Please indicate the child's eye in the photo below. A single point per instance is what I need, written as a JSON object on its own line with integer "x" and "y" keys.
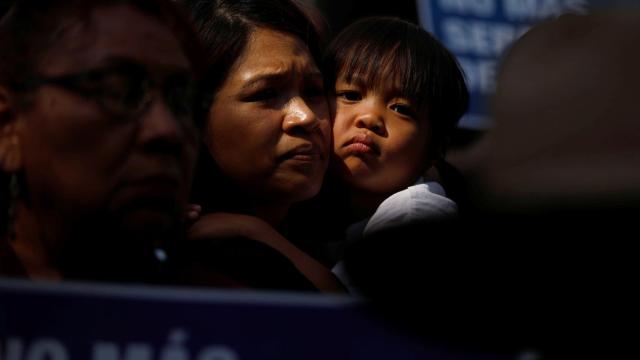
{"x": 349, "y": 95}
{"x": 402, "y": 109}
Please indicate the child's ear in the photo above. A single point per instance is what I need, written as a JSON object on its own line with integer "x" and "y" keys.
{"x": 10, "y": 131}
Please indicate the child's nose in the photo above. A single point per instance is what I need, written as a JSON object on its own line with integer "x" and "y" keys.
{"x": 371, "y": 121}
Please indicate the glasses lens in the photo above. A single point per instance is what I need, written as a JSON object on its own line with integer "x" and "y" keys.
{"x": 123, "y": 91}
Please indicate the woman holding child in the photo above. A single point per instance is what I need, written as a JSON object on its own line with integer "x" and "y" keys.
{"x": 399, "y": 94}
{"x": 267, "y": 137}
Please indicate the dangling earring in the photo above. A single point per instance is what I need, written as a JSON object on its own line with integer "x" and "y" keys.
{"x": 14, "y": 192}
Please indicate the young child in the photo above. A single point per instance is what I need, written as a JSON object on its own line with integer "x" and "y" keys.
{"x": 398, "y": 96}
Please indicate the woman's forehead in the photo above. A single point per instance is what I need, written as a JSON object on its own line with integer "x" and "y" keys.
{"x": 118, "y": 31}
{"x": 271, "y": 53}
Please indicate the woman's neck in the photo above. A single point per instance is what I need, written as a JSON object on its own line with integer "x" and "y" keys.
{"x": 274, "y": 213}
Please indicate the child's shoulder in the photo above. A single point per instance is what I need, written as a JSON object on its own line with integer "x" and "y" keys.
{"x": 423, "y": 201}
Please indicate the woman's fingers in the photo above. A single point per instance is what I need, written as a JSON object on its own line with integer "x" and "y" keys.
{"x": 192, "y": 213}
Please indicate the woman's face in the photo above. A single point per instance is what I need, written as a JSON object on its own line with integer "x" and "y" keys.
{"x": 269, "y": 127}
{"x": 83, "y": 162}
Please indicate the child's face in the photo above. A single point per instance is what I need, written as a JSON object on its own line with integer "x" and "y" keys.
{"x": 380, "y": 139}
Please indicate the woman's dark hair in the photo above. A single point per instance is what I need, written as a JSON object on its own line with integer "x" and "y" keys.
{"x": 382, "y": 50}
{"x": 225, "y": 27}
{"x": 31, "y": 27}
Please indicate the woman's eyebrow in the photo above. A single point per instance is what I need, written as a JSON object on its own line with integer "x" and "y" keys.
{"x": 276, "y": 76}
{"x": 118, "y": 60}
{"x": 252, "y": 79}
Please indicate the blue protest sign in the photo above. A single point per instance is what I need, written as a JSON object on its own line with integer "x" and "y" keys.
{"x": 478, "y": 32}
{"x": 105, "y": 322}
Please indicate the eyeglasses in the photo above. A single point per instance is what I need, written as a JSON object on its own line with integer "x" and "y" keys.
{"x": 125, "y": 90}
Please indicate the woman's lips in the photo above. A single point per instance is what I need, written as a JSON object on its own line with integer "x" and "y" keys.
{"x": 361, "y": 144}
{"x": 304, "y": 152}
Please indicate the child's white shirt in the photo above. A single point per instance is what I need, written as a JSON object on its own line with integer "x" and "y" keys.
{"x": 421, "y": 201}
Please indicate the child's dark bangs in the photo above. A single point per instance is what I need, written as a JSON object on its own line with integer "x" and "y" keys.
{"x": 379, "y": 66}
{"x": 400, "y": 65}
{"x": 358, "y": 67}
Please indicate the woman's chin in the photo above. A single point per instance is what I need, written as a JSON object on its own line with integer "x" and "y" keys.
{"x": 294, "y": 190}
{"x": 148, "y": 222}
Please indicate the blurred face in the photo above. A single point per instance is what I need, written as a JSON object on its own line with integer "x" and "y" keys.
{"x": 380, "y": 138}
{"x": 269, "y": 126}
{"x": 95, "y": 145}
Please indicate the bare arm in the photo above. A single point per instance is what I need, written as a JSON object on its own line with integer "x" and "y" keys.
{"x": 224, "y": 225}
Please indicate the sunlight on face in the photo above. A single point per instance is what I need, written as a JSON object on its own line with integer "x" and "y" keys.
{"x": 269, "y": 126}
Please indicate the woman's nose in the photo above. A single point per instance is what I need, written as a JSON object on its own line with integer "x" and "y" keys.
{"x": 298, "y": 115}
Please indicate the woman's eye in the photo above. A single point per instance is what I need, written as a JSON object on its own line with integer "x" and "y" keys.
{"x": 349, "y": 95}
{"x": 262, "y": 95}
{"x": 402, "y": 109}
{"x": 121, "y": 89}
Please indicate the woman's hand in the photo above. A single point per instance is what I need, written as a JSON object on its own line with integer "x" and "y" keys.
{"x": 224, "y": 225}
{"x": 192, "y": 214}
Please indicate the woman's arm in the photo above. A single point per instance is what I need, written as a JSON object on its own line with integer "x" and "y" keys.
{"x": 227, "y": 225}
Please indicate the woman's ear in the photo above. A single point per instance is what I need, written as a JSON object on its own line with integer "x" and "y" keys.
{"x": 10, "y": 129}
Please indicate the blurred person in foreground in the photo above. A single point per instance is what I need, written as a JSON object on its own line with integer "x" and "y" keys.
{"x": 98, "y": 136}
